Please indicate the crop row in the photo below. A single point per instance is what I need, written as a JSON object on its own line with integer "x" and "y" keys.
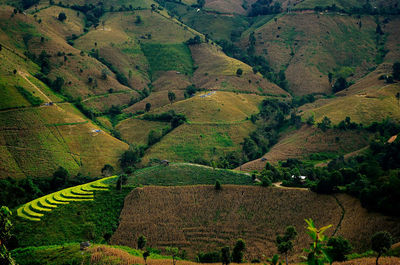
{"x": 37, "y": 208}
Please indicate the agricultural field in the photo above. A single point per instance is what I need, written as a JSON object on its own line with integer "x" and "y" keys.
{"x": 136, "y": 131}
{"x": 311, "y": 143}
{"x": 203, "y": 221}
{"x": 190, "y": 142}
{"x": 36, "y": 209}
{"x": 179, "y": 174}
{"x": 308, "y": 46}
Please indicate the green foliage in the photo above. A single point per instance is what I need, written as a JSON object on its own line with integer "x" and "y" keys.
{"x": 325, "y": 124}
{"x": 218, "y": 185}
{"x": 167, "y": 57}
{"x": 131, "y": 157}
{"x": 74, "y": 222}
{"x": 340, "y": 84}
{"x": 62, "y": 17}
{"x": 237, "y": 253}
{"x": 107, "y": 170}
{"x": 317, "y": 252}
{"x": 285, "y": 243}
{"x": 381, "y": 242}
{"x": 174, "y": 252}
{"x": 181, "y": 174}
{"x": 33, "y": 100}
{"x": 154, "y": 137}
{"x": 141, "y": 242}
{"x": 171, "y": 96}
{"x": 147, "y": 107}
{"x": 239, "y": 72}
{"x": 339, "y": 248}
{"x": 396, "y": 71}
{"x": 5, "y": 234}
{"x": 225, "y": 255}
{"x": 209, "y": 257}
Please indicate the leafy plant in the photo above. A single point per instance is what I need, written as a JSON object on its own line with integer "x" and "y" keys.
{"x": 317, "y": 253}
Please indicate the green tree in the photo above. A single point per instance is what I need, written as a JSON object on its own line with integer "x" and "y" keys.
{"x": 118, "y": 185}
{"x": 60, "y": 178}
{"x": 239, "y": 72}
{"x": 317, "y": 254}
{"x": 5, "y": 234}
{"x": 381, "y": 242}
{"x": 147, "y": 107}
{"x": 398, "y": 98}
{"x": 131, "y": 157}
{"x": 325, "y": 124}
{"x": 171, "y": 96}
{"x": 396, "y": 71}
{"x": 153, "y": 137}
{"x": 225, "y": 255}
{"x": 237, "y": 253}
{"x": 284, "y": 243}
{"x": 201, "y": 3}
{"x": 339, "y": 248}
{"x": 62, "y": 16}
{"x": 138, "y": 20}
{"x": 107, "y": 170}
{"x": 141, "y": 242}
{"x": 218, "y": 185}
{"x": 146, "y": 254}
{"x": 58, "y": 84}
{"x": 173, "y": 252}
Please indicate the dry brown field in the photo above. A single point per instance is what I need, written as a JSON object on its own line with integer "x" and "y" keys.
{"x": 199, "y": 218}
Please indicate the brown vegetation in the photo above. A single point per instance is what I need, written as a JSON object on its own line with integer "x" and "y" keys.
{"x": 199, "y": 218}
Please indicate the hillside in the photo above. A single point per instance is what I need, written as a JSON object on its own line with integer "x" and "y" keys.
{"x": 197, "y": 218}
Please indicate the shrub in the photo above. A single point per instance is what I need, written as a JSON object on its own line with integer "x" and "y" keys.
{"x": 62, "y": 16}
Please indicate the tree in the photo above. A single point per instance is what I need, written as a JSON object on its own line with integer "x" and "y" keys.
{"x": 104, "y": 74}
{"x": 138, "y": 20}
{"x": 330, "y": 78}
{"x": 107, "y": 170}
{"x": 131, "y": 157}
{"x": 284, "y": 243}
{"x": 380, "y": 243}
{"x": 153, "y": 137}
{"x": 173, "y": 252}
{"x": 60, "y": 178}
{"x": 396, "y": 71}
{"x": 218, "y": 185}
{"x": 171, "y": 97}
{"x": 317, "y": 254}
{"x": 339, "y": 248}
{"x": 5, "y": 234}
{"x": 62, "y": 16}
{"x": 58, "y": 84}
{"x": 237, "y": 253}
{"x": 398, "y": 98}
{"x": 145, "y": 255}
{"x": 201, "y": 3}
{"x": 225, "y": 255}
{"x": 325, "y": 124}
{"x": 190, "y": 90}
{"x": 340, "y": 84}
{"x": 239, "y": 72}
{"x": 141, "y": 242}
{"x": 118, "y": 186}
{"x": 147, "y": 107}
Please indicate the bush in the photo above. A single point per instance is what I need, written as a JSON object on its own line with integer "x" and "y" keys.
{"x": 62, "y": 16}
{"x": 34, "y": 101}
{"x": 340, "y": 247}
{"x": 209, "y": 257}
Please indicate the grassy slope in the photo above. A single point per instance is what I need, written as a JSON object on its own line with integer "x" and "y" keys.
{"x": 136, "y": 131}
{"x": 217, "y": 71}
{"x": 75, "y": 222}
{"x": 308, "y": 140}
{"x": 368, "y": 100}
{"x": 217, "y": 123}
{"x": 177, "y": 174}
{"x": 308, "y": 46}
{"x": 203, "y": 221}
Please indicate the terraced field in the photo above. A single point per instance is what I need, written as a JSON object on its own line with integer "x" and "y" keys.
{"x": 37, "y": 208}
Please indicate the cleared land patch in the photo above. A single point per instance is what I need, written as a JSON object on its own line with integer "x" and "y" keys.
{"x": 136, "y": 131}
{"x": 199, "y": 218}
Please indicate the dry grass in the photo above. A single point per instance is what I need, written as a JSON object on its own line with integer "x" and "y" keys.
{"x": 371, "y": 261}
{"x": 170, "y": 80}
{"x": 310, "y": 140}
{"x": 136, "y": 131}
{"x": 104, "y": 102}
{"x": 156, "y": 99}
{"x": 220, "y": 106}
{"x": 309, "y": 46}
{"x": 231, "y": 6}
{"x": 198, "y": 218}
{"x": 217, "y": 71}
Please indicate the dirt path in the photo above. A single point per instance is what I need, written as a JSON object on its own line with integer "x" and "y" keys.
{"x": 279, "y": 185}
{"x": 24, "y": 76}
